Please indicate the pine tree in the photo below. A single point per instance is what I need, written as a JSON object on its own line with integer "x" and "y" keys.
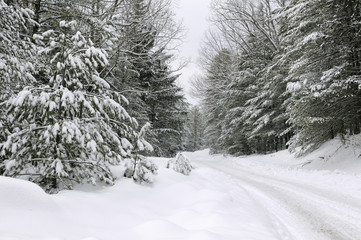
{"x": 72, "y": 129}
{"x": 214, "y": 100}
{"x": 166, "y": 108}
{"x": 145, "y": 75}
{"x": 194, "y": 131}
{"x": 131, "y": 62}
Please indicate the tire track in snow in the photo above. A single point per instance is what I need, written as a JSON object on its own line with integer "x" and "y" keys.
{"x": 319, "y": 214}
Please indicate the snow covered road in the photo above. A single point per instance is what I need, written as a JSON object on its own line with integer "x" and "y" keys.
{"x": 312, "y": 205}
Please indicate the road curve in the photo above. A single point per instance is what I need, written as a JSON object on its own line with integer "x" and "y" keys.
{"x": 303, "y": 210}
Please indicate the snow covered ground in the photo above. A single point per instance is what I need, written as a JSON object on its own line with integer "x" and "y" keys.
{"x": 225, "y": 198}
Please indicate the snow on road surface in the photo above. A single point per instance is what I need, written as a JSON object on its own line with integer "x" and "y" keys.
{"x": 270, "y": 197}
{"x": 305, "y": 204}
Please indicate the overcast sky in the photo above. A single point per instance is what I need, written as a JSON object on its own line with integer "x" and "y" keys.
{"x": 195, "y": 14}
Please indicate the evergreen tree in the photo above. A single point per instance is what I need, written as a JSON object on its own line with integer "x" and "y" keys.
{"x": 166, "y": 108}
{"x": 194, "y": 130}
{"x": 214, "y": 100}
{"x": 72, "y": 129}
{"x": 140, "y": 69}
{"x": 264, "y": 113}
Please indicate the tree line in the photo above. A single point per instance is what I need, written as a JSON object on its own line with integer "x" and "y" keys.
{"x": 281, "y": 74}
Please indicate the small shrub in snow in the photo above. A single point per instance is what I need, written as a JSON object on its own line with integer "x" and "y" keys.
{"x": 180, "y": 164}
{"x": 140, "y": 168}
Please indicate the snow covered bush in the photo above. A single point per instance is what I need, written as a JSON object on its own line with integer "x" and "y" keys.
{"x": 139, "y": 167}
{"x": 73, "y": 128}
{"x": 141, "y": 170}
{"x": 180, "y": 164}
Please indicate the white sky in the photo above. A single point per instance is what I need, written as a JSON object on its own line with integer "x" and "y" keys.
{"x": 195, "y": 14}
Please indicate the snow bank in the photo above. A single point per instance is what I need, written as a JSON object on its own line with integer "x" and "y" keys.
{"x": 336, "y": 155}
{"x": 195, "y": 207}
{"x": 26, "y": 208}
{"x": 23, "y": 194}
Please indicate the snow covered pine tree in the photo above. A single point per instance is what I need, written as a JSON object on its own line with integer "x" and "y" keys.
{"x": 73, "y": 128}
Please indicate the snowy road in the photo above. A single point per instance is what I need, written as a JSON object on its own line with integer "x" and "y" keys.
{"x": 299, "y": 206}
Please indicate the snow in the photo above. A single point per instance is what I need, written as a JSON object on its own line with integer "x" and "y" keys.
{"x": 314, "y": 197}
{"x": 312, "y": 37}
{"x": 258, "y": 197}
{"x": 180, "y": 164}
{"x": 24, "y": 206}
{"x": 55, "y": 129}
{"x": 100, "y": 81}
{"x": 175, "y": 207}
{"x": 91, "y": 145}
{"x": 293, "y": 86}
{"x": 2, "y": 64}
{"x": 21, "y": 97}
{"x": 67, "y": 97}
{"x": 10, "y": 164}
{"x": 59, "y": 168}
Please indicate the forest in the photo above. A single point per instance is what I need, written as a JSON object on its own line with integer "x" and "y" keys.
{"x": 280, "y": 74}
{"x": 87, "y": 84}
